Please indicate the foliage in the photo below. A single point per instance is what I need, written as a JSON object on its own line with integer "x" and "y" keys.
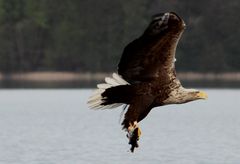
{"x": 89, "y": 35}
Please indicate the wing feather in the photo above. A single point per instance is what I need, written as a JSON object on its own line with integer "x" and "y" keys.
{"x": 151, "y": 57}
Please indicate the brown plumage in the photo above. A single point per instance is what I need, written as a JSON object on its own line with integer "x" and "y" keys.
{"x": 147, "y": 76}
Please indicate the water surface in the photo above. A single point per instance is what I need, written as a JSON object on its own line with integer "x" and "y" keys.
{"x": 56, "y": 127}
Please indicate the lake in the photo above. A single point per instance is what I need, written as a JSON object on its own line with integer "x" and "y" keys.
{"x": 56, "y": 127}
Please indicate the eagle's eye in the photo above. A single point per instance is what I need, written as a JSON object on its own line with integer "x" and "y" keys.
{"x": 158, "y": 24}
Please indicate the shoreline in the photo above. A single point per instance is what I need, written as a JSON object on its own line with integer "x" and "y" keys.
{"x": 75, "y": 76}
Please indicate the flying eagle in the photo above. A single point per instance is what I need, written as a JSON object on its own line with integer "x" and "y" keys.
{"x": 146, "y": 75}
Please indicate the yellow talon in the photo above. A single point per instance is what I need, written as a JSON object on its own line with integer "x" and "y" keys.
{"x": 134, "y": 133}
{"x": 139, "y": 132}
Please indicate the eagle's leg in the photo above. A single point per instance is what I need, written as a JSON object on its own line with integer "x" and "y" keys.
{"x": 133, "y": 135}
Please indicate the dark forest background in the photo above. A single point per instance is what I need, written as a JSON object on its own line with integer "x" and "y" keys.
{"x": 89, "y": 35}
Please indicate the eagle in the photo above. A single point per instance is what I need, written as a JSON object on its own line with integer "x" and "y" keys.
{"x": 146, "y": 76}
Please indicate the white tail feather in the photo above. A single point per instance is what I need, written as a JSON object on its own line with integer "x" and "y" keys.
{"x": 97, "y": 92}
{"x": 95, "y": 104}
{"x": 96, "y": 95}
{"x": 104, "y": 86}
{"x": 112, "y": 106}
{"x": 111, "y": 81}
{"x": 96, "y": 99}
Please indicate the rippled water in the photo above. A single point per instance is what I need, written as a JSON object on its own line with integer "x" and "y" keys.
{"x": 56, "y": 127}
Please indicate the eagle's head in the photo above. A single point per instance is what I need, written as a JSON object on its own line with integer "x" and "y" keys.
{"x": 164, "y": 22}
{"x": 182, "y": 95}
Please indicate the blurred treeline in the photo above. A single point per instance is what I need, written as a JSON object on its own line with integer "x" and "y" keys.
{"x": 89, "y": 35}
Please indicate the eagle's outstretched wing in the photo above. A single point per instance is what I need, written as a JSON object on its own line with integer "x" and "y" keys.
{"x": 151, "y": 57}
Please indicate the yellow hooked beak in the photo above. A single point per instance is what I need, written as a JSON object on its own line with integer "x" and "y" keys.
{"x": 202, "y": 95}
